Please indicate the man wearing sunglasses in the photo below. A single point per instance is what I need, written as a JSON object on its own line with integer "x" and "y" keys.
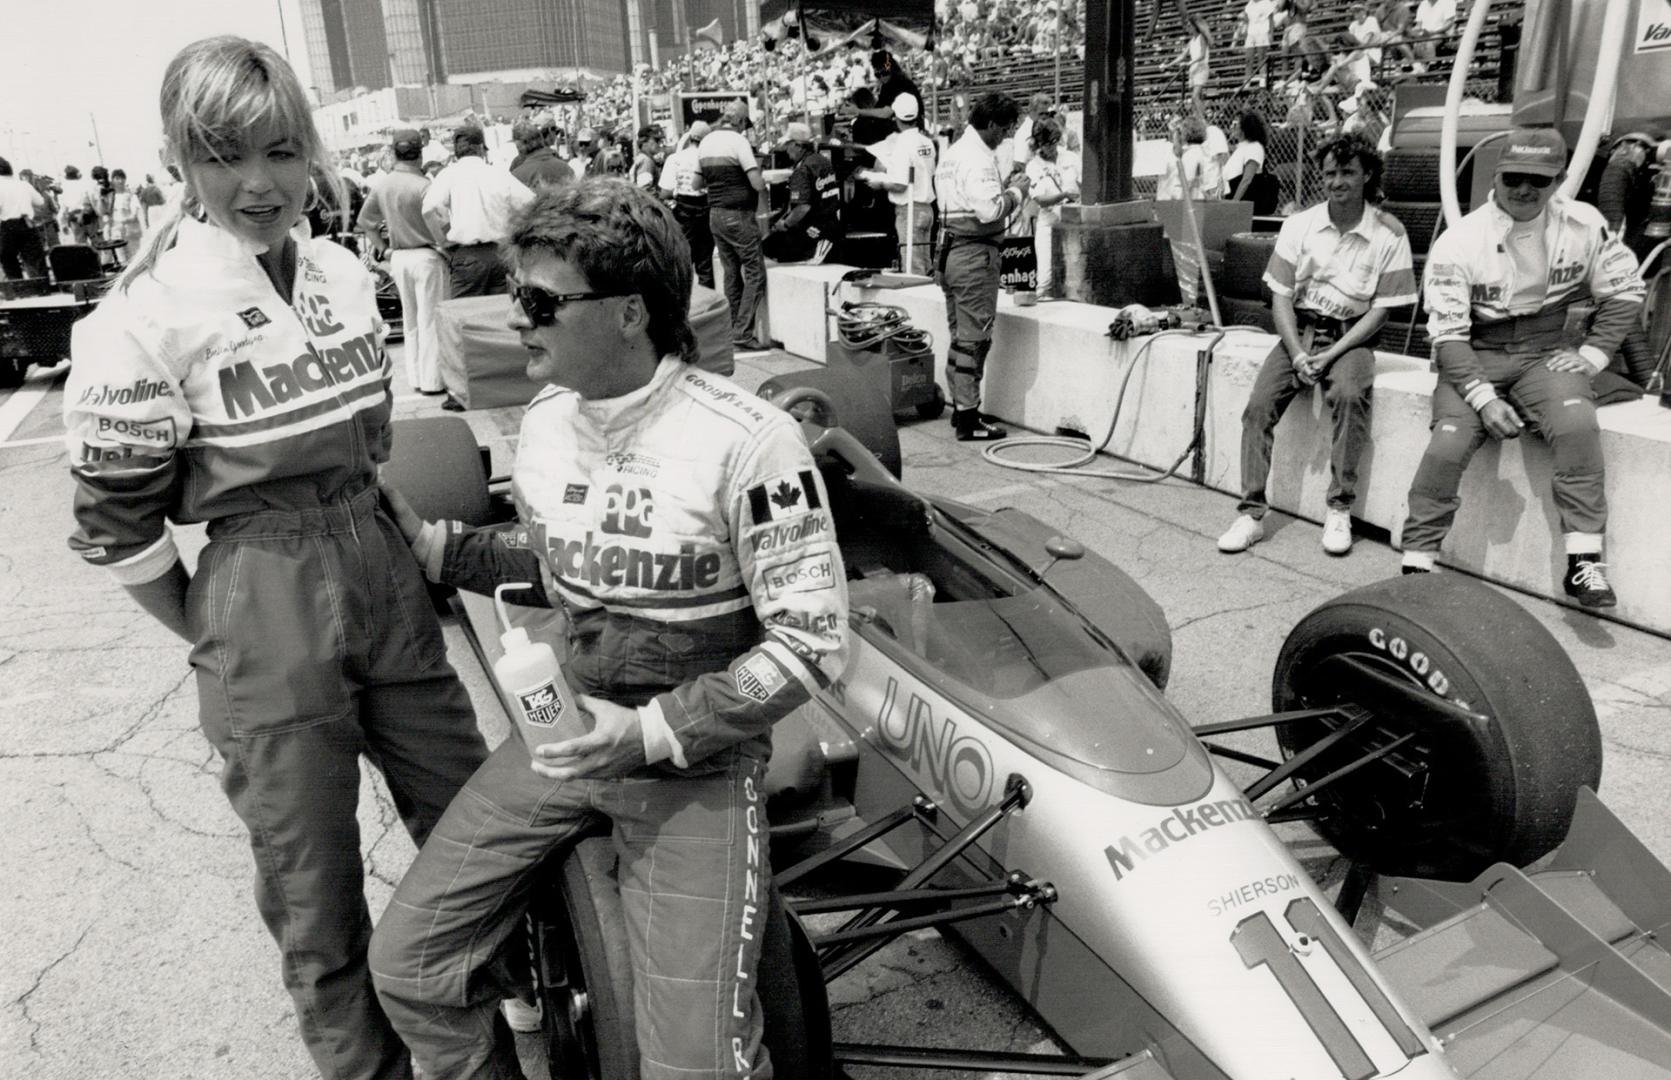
{"x": 1527, "y": 299}
{"x": 681, "y": 526}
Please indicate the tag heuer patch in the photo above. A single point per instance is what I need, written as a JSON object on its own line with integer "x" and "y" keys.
{"x": 574, "y": 494}
{"x": 758, "y": 678}
{"x": 254, "y": 317}
{"x": 783, "y": 496}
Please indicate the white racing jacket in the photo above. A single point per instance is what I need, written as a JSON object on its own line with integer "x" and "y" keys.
{"x": 1470, "y": 283}
{"x": 685, "y": 531}
{"x": 200, "y": 393}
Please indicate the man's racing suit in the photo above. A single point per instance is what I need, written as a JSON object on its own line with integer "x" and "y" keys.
{"x": 1489, "y": 340}
{"x": 201, "y": 395}
{"x": 685, "y": 533}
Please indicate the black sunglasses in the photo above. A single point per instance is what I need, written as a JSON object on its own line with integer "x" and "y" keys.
{"x": 541, "y": 305}
{"x": 1517, "y": 179}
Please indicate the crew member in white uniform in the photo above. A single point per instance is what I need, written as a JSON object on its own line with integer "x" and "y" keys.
{"x": 906, "y": 159}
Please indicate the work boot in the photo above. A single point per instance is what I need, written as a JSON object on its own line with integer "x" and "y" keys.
{"x": 1586, "y": 583}
{"x": 970, "y": 426}
{"x": 1242, "y": 534}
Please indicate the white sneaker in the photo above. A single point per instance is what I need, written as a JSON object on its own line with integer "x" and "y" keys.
{"x": 1242, "y": 534}
{"x": 1337, "y": 532}
{"x": 520, "y": 1015}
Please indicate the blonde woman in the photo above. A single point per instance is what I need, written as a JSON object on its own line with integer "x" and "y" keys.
{"x": 235, "y": 375}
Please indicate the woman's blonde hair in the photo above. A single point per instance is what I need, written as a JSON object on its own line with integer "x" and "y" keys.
{"x": 214, "y": 93}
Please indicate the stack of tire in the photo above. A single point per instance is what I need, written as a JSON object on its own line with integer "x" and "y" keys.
{"x": 1243, "y": 297}
{"x": 1411, "y": 184}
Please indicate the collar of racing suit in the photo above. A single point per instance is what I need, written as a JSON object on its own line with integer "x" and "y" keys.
{"x": 613, "y": 414}
{"x": 205, "y": 239}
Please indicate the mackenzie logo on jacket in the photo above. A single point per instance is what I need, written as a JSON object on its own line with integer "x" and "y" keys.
{"x": 246, "y": 389}
{"x": 620, "y": 565}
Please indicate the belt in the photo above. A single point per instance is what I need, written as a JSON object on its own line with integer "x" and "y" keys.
{"x": 1516, "y": 329}
{"x": 1310, "y": 319}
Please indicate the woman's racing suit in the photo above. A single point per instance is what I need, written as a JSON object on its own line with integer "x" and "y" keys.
{"x": 201, "y": 395}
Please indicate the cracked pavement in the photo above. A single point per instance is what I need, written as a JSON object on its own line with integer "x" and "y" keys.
{"x": 132, "y": 949}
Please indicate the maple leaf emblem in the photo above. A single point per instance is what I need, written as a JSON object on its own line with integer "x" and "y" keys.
{"x": 786, "y": 495}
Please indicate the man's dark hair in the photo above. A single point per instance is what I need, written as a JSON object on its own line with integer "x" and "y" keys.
{"x": 114, "y": 173}
{"x": 623, "y": 241}
{"x": 469, "y": 138}
{"x": 72, "y": 173}
{"x": 408, "y": 151}
{"x": 5, "y": 167}
{"x": 1253, "y": 127}
{"x": 1344, "y": 148}
{"x": 882, "y": 63}
{"x": 994, "y": 108}
{"x": 651, "y": 131}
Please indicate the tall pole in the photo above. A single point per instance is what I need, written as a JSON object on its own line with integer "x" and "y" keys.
{"x": 1109, "y": 49}
{"x": 284, "y": 34}
{"x": 98, "y": 148}
{"x": 1056, "y": 102}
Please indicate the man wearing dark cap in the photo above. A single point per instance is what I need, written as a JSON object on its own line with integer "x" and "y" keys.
{"x": 808, "y": 229}
{"x": 537, "y": 166}
{"x": 1527, "y": 299}
{"x": 468, "y": 208}
{"x": 393, "y": 215}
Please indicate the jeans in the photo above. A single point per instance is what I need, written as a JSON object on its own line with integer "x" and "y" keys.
{"x": 1346, "y": 390}
{"x": 737, "y": 241}
{"x": 694, "y": 222}
{"x": 969, "y": 278}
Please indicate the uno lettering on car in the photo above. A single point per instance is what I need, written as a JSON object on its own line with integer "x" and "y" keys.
{"x": 955, "y": 766}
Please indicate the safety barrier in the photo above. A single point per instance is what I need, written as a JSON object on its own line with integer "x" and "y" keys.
{"x": 1053, "y": 366}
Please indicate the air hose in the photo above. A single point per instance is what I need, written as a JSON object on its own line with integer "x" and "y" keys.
{"x": 1084, "y": 451}
{"x": 862, "y": 326}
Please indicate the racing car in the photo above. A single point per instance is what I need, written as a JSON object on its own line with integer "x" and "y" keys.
{"x": 1002, "y": 741}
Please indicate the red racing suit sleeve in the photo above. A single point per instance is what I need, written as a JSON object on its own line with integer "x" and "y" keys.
{"x": 797, "y": 585}
{"x": 126, "y": 421}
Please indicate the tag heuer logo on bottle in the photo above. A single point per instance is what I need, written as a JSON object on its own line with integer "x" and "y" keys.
{"x": 541, "y": 705}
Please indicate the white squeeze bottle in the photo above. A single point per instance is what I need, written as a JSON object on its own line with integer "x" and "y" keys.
{"x": 544, "y": 705}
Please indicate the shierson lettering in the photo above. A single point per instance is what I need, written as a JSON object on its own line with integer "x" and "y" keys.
{"x": 246, "y": 390}
{"x": 1250, "y": 891}
{"x": 1126, "y": 853}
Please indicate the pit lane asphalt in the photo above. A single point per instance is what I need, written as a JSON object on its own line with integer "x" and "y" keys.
{"x": 129, "y": 945}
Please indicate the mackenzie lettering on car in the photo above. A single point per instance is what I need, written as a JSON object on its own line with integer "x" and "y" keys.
{"x": 1126, "y": 854}
{"x": 247, "y": 390}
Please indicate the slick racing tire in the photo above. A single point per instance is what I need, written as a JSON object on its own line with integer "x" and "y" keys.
{"x": 437, "y": 465}
{"x": 1503, "y": 732}
{"x": 586, "y": 979}
{"x": 1246, "y": 254}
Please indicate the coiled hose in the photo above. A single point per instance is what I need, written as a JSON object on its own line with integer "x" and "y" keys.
{"x": 866, "y": 325}
{"x": 1084, "y": 451}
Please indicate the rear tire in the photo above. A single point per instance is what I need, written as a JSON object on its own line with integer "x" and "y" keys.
{"x": 11, "y": 372}
{"x": 586, "y": 979}
{"x": 1418, "y": 219}
{"x": 1245, "y": 257}
{"x": 1499, "y": 789}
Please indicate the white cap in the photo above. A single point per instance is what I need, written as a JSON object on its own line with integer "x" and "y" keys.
{"x": 906, "y": 107}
